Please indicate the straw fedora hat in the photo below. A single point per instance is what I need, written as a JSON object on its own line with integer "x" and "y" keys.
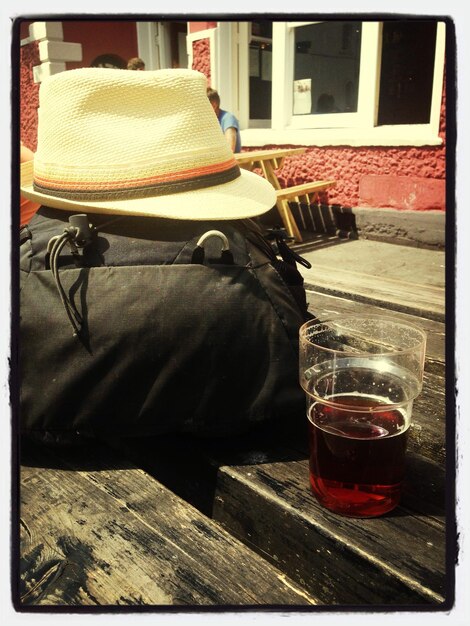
{"x": 137, "y": 143}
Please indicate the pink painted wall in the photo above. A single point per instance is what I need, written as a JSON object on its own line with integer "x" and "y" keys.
{"x": 29, "y": 95}
{"x": 195, "y": 27}
{"x": 202, "y": 57}
{"x": 97, "y": 37}
{"x": 373, "y": 176}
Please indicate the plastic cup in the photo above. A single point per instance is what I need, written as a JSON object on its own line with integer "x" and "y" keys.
{"x": 360, "y": 376}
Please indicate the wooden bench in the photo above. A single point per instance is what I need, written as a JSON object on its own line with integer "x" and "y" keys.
{"x": 271, "y": 160}
{"x": 307, "y": 193}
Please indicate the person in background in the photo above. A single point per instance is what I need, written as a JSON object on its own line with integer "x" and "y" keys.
{"x": 27, "y": 207}
{"x": 228, "y": 122}
{"x": 135, "y": 64}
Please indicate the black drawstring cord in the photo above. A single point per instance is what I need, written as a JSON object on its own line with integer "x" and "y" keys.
{"x": 55, "y": 247}
{"x": 77, "y": 235}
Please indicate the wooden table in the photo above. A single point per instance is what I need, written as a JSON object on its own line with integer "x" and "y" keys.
{"x": 178, "y": 521}
{"x": 271, "y": 160}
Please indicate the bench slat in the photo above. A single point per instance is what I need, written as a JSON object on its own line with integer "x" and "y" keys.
{"x": 109, "y": 534}
{"x": 289, "y": 193}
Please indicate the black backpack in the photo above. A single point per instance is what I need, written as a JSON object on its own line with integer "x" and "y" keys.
{"x": 136, "y": 326}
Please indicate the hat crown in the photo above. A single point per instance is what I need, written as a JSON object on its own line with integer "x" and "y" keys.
{"x": 114, "y": 126}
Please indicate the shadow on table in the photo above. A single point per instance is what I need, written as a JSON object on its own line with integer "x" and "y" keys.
{"x": 189, "y": 465}
{"x": 85, "y": 456}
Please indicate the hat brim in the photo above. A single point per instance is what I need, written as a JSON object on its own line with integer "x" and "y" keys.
{"x": 247, "y": 196}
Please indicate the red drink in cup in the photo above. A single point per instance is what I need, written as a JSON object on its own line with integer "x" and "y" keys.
{"x": 357, "y": 458}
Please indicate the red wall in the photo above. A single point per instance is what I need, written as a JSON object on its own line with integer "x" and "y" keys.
{"x": 24, "y": 29}
{"x": 202, "y": 49}
{"x": 194, "y": 27}
{"x": 97, "y": 37}
{"x": 373, "y": 176}
{"x": 101, "y": 37}
{"x": 202, "y": 57}
{"x": 29, "y": 98}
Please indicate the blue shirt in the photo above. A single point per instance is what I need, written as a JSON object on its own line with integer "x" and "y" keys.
{"x": 228, "y": 120}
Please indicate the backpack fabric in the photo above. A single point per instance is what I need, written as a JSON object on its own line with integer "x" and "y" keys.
{"x": 141, "y": 331}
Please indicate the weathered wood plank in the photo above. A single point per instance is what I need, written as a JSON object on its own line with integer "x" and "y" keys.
{"x": 102, "y": 535}
{"x": 422, "y": 300}
{"x": 261, "y": 494}
{"x": 398, "y": 559}
{"x": 428, "y": 420}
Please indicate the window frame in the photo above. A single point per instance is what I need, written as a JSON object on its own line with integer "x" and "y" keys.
{"x": 354, "y": 129}
{"x": 369, "y": 73}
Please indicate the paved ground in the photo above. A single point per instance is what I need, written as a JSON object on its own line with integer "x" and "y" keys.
{"x": 387, "y": 260}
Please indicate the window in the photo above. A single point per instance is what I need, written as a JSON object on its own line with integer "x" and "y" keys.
{"x": 407, "y": 67}
{"x": 326, "y": 68}
{"x": 260, "y": 60}
{"x": 340, "y": 81}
